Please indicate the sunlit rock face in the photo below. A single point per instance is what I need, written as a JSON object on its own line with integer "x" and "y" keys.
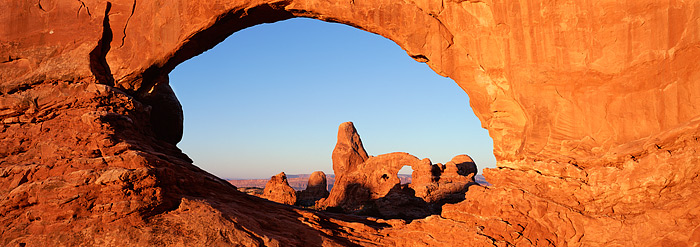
{"x": 371, "y": 186}
{"x": 278, "y": 190}
{"x": 593, "y": 108}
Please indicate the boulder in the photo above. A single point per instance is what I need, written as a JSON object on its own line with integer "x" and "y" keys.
{"x": 316, "y": 189}
{"x": 459, "y": 167}
{"x": 278, "y": 190}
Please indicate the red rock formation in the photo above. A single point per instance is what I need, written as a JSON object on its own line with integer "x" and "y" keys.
{"x": 278, "y": 190}
{"x": 347, "y": 154}
{"x": 449, "y": 181}
{"x": 373, "y": 187}
{"x": 459, "y": 167}
{"x": 369, "y": 180}
{"x": 592, "y": 107}
{"x": 317, "y": 183}
{"x": 316, "y": 189}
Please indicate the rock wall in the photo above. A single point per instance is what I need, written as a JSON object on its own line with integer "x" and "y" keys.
{"x": 593, "y": 108}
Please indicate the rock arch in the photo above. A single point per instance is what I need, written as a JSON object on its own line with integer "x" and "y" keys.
{"x": 364, "y": 184}
{"x": 592, "y": 108}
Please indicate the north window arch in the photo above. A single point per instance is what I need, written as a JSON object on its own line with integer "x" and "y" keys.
{"x": 241, "y": 55}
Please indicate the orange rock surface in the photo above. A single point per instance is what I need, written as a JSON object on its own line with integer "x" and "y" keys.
{"x": 372, "y": 186}
{"x": 592, "y": 106}
{"x": 278, "y": 190}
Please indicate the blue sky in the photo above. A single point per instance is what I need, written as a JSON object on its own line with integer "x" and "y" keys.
{"x": 270, "y": 99}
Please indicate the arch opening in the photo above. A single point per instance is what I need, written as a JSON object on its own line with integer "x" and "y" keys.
{"x": 263, "y": 122}
{"x": 406, "y": 175}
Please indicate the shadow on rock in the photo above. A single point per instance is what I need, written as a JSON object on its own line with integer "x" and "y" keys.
{"x": 370, "y": 185}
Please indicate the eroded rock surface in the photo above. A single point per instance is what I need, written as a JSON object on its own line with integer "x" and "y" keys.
{"x": 592, "y": 107}
{"x": 278, "y": 190}
{"x": 372, "y": 186}
{"x": 448, "y": 182}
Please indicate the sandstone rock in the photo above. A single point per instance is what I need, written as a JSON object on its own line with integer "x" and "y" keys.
{"x": 348, "y": 151}
{"x": 451, "y": 181}
{"x": 297, "y": 181}
{"x": 592, "y": 107}
{"x": 368, "y": 181}
{"x": 401, "y": 203}
{"x": 316, "y": 189}
{"x": 347, "y": 155}
{"x": 373, "y": 188}
{"x": 459, "y": 167}
{"x": 317, "y": 183}
{"x": 278, "y": 190}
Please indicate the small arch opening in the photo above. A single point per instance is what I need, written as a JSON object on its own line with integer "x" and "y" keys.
{"x": 406, "y": 175}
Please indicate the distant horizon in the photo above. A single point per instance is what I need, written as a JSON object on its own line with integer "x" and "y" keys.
{"x": 297, "y": 174}
{"x": 288, "y": 175}
{"x": 270, "y": 98}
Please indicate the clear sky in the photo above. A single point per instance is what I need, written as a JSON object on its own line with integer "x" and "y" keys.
{"x": 270, "y": 99}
